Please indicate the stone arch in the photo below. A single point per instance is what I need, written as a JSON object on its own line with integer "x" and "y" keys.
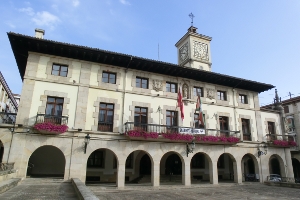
{"x": 250, "y": 167}
{"x": 296, "y": 167}
{"x": 134, "y": 173}
{"x": 102, "y": 165}
{"x": 47, "y": 161}
{"x": 227, "y": 168}
{"x": 276, "y": 165}
{"x": 1, "y": 151}
{"x": 208, "y": 167}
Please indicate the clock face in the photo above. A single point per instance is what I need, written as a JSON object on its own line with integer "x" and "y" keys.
{"x": 183, "y": 52}
{"x": 200, "y": 50}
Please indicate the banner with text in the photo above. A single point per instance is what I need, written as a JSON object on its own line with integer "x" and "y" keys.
{"x": 192, "y": 131}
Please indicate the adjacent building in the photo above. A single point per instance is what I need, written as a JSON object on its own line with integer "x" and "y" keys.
{"x": 124, "y": 121}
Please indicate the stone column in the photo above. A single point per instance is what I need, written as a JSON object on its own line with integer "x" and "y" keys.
{"x": 155, "y": 174}
{"x": 237, "y": 171}
{"x": 289, "y": 165}
{"x": 121, "y": 176}
{"x": 186, "y": 177}
{"x": 213, "y": 172}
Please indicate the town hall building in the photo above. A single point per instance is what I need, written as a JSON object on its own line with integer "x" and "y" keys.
{"x": 107, "y": 117}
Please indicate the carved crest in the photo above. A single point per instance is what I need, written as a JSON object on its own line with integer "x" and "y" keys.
{"x": 157, "y": 85}
{"x": 210, "y": 93}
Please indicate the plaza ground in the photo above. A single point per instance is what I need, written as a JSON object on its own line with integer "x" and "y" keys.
{"x": 202, "y": 191}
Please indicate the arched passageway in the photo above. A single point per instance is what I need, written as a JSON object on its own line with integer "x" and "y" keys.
{"x": 138, "y": 167}
{"x": 274, "y": 166}
{"x": 171, "y": 166}
{"x": 296, "y": 168}
{"x": 250, "y": 169}
{"x": 225, "y": 168}
{"x": 200, "y": 168}
{"x": 1, "y": 151}
{"x": 46, "y": 161}
{"x": 102, "y": 167}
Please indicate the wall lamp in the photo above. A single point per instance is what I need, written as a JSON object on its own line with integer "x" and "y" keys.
{"x": 190, "y": 148}
{"x": 260, "y": 152}
{"x": 86, "y": 142}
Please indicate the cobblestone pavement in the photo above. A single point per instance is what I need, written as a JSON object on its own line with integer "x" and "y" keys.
{"x": 206, "y": 191}
{"x": 41, "y": 188}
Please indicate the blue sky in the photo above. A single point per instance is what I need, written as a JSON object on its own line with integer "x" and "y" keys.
{"x": 252, "y": 39}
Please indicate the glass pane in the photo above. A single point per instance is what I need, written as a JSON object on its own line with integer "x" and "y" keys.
{"x": 105, "y": 77}
{"x": 174, "y": 120}
{"x": 49, "y": 109}
{"x": 102, "y": 116}
{"x": 138, "y": 82}
{"x": 58, "y": 110}
{"x": 56, "y": 67}
{"x": 168, "y": 113}
{"x": 59, "y": 100}
{"x": 110, "y": 116}
{"x": 51, "y": 100}
{"x": 137, "y": 119}
{"x": 168, "y": 121}
{"x": 144, "y": 119}
{"x": 64, "y": 74}
{"x": 64, "y": 69}
{"x": 144, "y": 110}
{"x": 168, "y": 87}
{"x": 110, "y": 106}
{"x": 137, "y": 109}
{"x": 144, "y": 83}
{"x": 102, "y": 105}
{"x": 56, "y": 73}
{"x": 112, "y": 78}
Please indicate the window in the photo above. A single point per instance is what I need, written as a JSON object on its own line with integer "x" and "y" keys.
{"x": 198, "y": 90}
{"x": 222, "y": 95}
{"x": 290, "y": 123}
{"x": 141, "y": 82}
{"x": 106, "y": 117}
{"x": 54, "y": 108}
{"x": 286, "y": 109}
{"x": 243, "y": 99}
{"x": 246, "y": 129}
{"x": 108, "y": 77}
{"x": 197, "y": 122}
{"x": 171, "y": 87}
{"x": 171, "y": 120}
{"x": 140, "y": 118}
{"x": 271, "y": 129}
{"x": 129, "y": 161}
{"x": 96, "y": 159}
{"x": 198, "y": 161}
{"x": 223, "y": 121}
{"x": 59, "y": 70}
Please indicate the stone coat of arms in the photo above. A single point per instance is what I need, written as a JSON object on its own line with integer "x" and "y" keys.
{"x": 157, "y": 85}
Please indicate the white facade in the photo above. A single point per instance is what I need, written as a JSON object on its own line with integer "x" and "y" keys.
{"x": 84, "y": 88}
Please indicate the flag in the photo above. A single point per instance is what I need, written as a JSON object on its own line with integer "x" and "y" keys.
{"x": 199, "y": 108}
{"x": 180, "y": 103}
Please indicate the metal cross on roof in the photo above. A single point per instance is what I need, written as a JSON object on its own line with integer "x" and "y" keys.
{"x": 192, "y": 17}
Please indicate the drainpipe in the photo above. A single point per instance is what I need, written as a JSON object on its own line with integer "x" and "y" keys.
{"x": 124, "y": 92}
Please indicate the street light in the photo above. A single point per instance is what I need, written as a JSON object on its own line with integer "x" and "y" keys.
{"x": 86, "y": 142}
{"x": 190, "y": 148}
{"x": 260, "y": 152}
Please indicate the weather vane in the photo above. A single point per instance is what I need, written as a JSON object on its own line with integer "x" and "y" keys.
{"x": 192, "y": 17}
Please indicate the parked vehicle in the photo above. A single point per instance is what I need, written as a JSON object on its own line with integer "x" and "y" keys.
{"x": 275, "y": 177}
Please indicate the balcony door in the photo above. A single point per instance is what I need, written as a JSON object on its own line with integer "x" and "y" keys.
{"x": 54, "y": 108}
{"x": 140, "y": 118}
{"x": 106, "y": 117}
{"x": 223, "y": 121}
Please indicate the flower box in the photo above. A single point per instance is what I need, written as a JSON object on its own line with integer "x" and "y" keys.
{"x": 50, "y": 128}
{"x": 282, "y": 143}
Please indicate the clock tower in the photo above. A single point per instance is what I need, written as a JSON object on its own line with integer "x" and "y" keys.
{"x": 194, "y": 50}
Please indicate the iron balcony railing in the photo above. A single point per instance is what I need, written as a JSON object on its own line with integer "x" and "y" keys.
{"x": 7, "y": 118}
{"x": 289, "y": 138}
{"x": 55, "y": 119}
{"x": 178, "y": 129}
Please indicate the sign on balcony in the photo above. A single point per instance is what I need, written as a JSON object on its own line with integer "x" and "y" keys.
{"x": 192, "y": 131}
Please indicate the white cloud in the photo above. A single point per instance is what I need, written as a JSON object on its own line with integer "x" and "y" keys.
{"x": 28, "y": 11}
{"x": 124, "y": 2}
{"x": 45, "y": 18}
{"x": 75, "y": 3}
